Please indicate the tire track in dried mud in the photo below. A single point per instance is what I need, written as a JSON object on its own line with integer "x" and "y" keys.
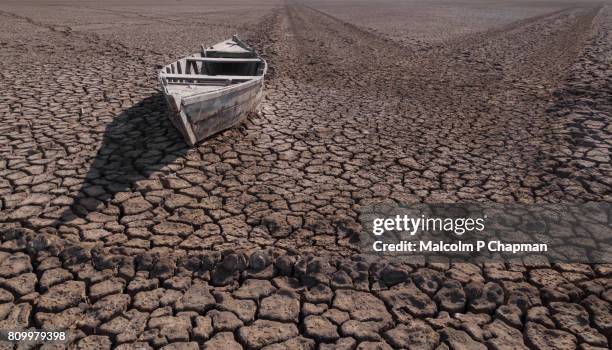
{"x": 581, "y": 113}
{"x": 474, "y": 109}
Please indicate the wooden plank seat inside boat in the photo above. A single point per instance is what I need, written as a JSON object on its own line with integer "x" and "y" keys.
{"x": 188, "y": 89}
{"x": 188, "y": 84}
{"x": 202, "y": 79}
{"x": 215, "y": 66}
{"x": 223, "y": 59}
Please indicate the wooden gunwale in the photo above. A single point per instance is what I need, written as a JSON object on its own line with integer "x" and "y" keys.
{"x": 205, "y": 96}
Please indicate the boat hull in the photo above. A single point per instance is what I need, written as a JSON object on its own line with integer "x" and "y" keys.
{"x": 214, "y": 115}
{"x": 200, "y": 117}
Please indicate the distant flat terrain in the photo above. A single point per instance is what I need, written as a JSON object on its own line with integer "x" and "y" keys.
{"x": 426, "y": 21}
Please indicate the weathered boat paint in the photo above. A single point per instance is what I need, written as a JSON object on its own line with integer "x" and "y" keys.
{"x": 202, "y": 105}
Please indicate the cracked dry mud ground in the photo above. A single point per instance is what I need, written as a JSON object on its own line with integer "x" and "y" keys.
{"x": 112, "y": 228}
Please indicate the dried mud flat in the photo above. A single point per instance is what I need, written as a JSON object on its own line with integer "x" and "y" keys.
{"x": 112, "y": 228}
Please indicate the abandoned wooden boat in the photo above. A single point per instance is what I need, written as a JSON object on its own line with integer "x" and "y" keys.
{"x": 214, "y": 89}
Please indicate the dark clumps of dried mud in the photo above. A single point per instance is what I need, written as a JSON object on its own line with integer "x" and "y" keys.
{"x": 113, "y": 229}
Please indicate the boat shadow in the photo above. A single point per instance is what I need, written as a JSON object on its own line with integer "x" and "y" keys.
{"x": 139, "y": 144}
